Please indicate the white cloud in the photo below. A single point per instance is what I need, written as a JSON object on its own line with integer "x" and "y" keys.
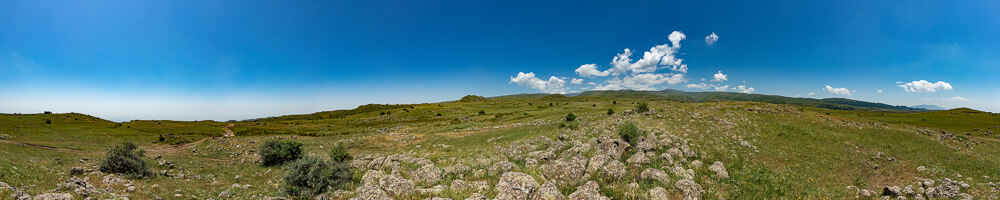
{"x": 676, "y": 37}
{"x": 711, "y": 39}
{"x": 958, "y": 99}
{"x": 719, "y": 77}
{"x": 553, "y": 85}
{"x": 744, "y": 89}
{"x": 647, "y": 81}
{"x": 590, "y": 70}
{"x": 812, "y": 94}
{"x": 924, "y": 86}
{"x": 723, "y": 88}
{"x": 576, "y": 81}
{"x": 697, "y": 86}
{"x": 837, "y": 91}
{"x": 878, "y": 91}
{"x": 652, "y": 60}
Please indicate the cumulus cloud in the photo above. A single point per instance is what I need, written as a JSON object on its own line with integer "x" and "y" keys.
{"x": 837, "y": 91}
{"x": 878, "y": 91}
{"x": 711, "y": 39}
{"x": 553, "y": 85}
{"x": 576, "y": 81}
{"x": 924, "y": 86}
{"x": 590, "y": 70}
{"x": 724, "y": 88}
{"x": 647, "y": 81}
{"x": 719, "y": 77}
{"x": 812, "y": 94}
{"x": 744, "y": 89}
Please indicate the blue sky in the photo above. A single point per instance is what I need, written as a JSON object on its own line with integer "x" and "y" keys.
{"x": 220, "y": 60}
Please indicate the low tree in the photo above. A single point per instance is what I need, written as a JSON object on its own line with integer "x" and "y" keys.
{"x": 570, "y": 117}
{"x": 278, "y": 152}
{"x": 125, "y": 158}
{"x": 628, "y": 132}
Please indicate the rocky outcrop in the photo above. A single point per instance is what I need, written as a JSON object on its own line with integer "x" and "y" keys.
{"x": 588, "y": 191}
{"x": 516, "y": 186}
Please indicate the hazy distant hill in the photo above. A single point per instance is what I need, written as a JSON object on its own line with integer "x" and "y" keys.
{"x": 929, "y": 107}
{"x": 677, "y": 95}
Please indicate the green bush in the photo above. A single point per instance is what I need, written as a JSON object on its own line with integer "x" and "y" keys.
{"x": 482, "y": 112}
{"x": 570, "y": 117}
{"x": 610, "y": 111}
{"x": 628, "y": 132}
{"x": 309, "y": 177}
{"x": 642, "y": 107}
{"x": 339, "y": 154}
{"x": 278, "y": 152}
{"x": 125, "y": 158}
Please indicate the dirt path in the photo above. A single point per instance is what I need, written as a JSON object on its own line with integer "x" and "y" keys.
{"x": 167, "y": 148}
{"x": 46, "y": 147}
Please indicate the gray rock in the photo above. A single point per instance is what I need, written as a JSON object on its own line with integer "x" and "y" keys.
{"x": 892, "y": 191}
{"x": 396, "y": 185}
{"x": 226, "y": 194}
{"x": 54, "y": 196}
{"x": 549, "y": 191}
{"x": 683, "y": 173}
{"x": 588, "y": 191}
{"x": 691, "y": 189}
{"x": 516, "y": 185}
{"x": 76, "y": 171}
{"x": 428, "y": 174}
{"x": 658, "y": 193}
{"x": 614, "y": 169}
{"x": 655, "y": 174}
{"x": 370, "y": 193}
{"x": 638, "y": 159}
{"x": 596, "y": 162}
{"x": 476, "y": 196}
{"x": 719, "y": 169}
{"x": 78, "y": 186}
{"x": 613, "y": 147}
{"x": 501, "y": 167}
{"x": 566, "y": 171}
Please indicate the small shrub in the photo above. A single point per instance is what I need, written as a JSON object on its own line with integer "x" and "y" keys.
{"x": 125, "y": 158}
{"x": 482, "y": 112}
{"x": 570, "y": 117}
{"x": 439, "y": 114}
{"x": 278, "y": 152}
{"x": 610, "y": 111}
{"x": 48, "y": 121}
{"x": 642, "y": 108}
{"x": 309, "y": 177}
{"x": 339, "y": 154}
{"x": 628, "y": 132}
{"x": 614, "y": 102}
{"x": 47, "y": 112}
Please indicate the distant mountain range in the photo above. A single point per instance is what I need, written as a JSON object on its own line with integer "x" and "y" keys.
{"x": 929, "y": 107}
{"x": 677, "y": 95}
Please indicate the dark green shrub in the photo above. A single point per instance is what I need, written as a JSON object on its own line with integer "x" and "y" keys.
{"x": 278, "y": 152}
{"x": 614, "y": 102}
{"x": 439, "y": 114}
{"x": 48, "y": 121}
{"x": 570, "y": 117}
{"x": 125, "y": 158}
{"x": 610, "y": 111}
{"x": 339, "y": 154}
{"x": 628, "y": 132}
{"x": 309, "y": 177}
{"x": 642, "y": 108}
{"x": 482, "y": 112}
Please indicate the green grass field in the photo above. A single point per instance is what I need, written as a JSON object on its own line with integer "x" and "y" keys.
{"x": 771, "y": 151}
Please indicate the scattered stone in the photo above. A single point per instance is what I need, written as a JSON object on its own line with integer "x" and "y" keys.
{"x": 54, "y": 196}
{"x": 691, "y": 189}
{"x": 476, "y": 196}
{"x": 549, "y": 191}
{"x": 396, "y": 185}
{"x": 658, "y": 193}
{"x": 638, "y": 158}
{"x": 655, "y": 174}
{"x": 78, "y": 186}
{"x": 225, "y": 194}
{"x": 696, "y": 164}
{"x": 588, "y": 191}
{"x": 719, "y": 169}
{"x": 891, "y": 191}
{"x": 370, "y": 193}
{"x": 683, "y": 173}
{"x": 428, "y": 174}
{"x": 501, "y": 167}
{"x": 516, "y": 186}
{"x": 614, "y": 169}
{"x": 566, "y": 171}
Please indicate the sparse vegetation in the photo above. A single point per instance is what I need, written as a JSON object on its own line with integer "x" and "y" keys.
{"x": 642, "y": 107}
{"x": 277, "y": 152}
{"x": 127, "y": 159}
{"x": 339, "y": 154}
{"x": 628, "y": 132}
{"x": 472, "y": 98}
{"x": 308, "y": 177}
